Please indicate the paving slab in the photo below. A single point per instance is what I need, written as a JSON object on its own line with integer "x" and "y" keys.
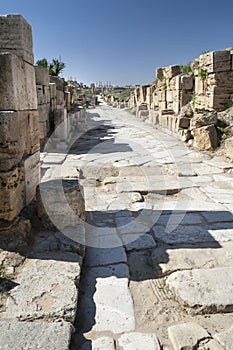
{"x": 103, "y": 343}
{"x": 139, "y": 341}
{"x": 46, "y": 290}
{"x": 107, "y": 301}
{"x": 54, "y": 158}
{"x": 225, "y": 338}
{"x": 166, "y": 260}
{"x": 35, "y": 335}
{"x": 105, "y": 256}
{"x": 204, "y": 290}
{"x": 138, "y": 242}
{"x": 186, "y": 335}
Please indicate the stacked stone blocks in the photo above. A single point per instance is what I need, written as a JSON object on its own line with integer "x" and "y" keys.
{"x": 19, "y": 127}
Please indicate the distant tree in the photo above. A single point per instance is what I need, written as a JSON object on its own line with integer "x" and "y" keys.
{"x": 43, "y": 63}
{"x": 56, "y": 67}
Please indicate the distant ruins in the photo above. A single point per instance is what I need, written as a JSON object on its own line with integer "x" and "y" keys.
{"x": 190, "y": 103}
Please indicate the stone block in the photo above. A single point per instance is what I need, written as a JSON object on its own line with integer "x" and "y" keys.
{"x": 187, "y": 82}
{"x": 159, "y": 73}
{"x": 60, "y": 203}
{"x": 60, "y": 98}
{"x": 44, "y": 130}
{"x": 60, "y": 116}
{"x": 172, "y": 71}
{"x": 18, "y": 86}
{"x": 139, "y": 341}
{"x": 67, "y": 96}
{"x": 183, "y": 122}
{"x": 216, "y": 61}
{"x": 58, "y": 81}
{"x": 43, "y": 112}
{"x": 205, "y": 138}
{"x": 205, "y": 119}
{"x": 229, "y": 148}
{"x": 42, "y": 75}
{"x": 32, "y": 176}
{"x": 19, "y": 134}
{"x": 11, "y": 193}
{"x": 43, "y": 94}
{"x": 16, "y": 36}
{"x": 52, "y": 89}
{"x": 186, "y": 335}
{"x": 36, "y": 335}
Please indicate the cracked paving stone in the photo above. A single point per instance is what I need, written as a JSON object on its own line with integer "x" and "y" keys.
{"x": 139, "y": 341}
{"x": 225, "y": 338}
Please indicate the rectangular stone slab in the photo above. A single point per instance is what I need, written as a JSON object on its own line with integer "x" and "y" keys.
{"x": 38, "y": 335}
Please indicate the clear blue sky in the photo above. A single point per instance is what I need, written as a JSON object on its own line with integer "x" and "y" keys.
{"x": 123, "y": 41}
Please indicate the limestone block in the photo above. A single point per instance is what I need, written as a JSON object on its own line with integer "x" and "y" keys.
{"x": 39, "y": 335}
{"x": 185, "y": 97}
{"x": 172, "y": 71}
{"x": 42, "y": 75}
{"x": 44, "y": 130}
{"x": 18, "y": 86}
{"x": 43, "y": 112}
{"x": 205, "y": 138}
{"x": 183, "y": 122}
{"x": 52, "y": 89}
{"x": 19, "y": 135}
{"x": 16, "y": 36}
{"x": 187, "y": 111}
{"x": 205, "y": 119}
{"x": 159, "y": 73}
{"x": 60, "y": 116}
{"x": 229, "y": 148}
{"x": 43, "y": 94}
{"x": 169, "y": 96}
{"x": 60, "y": 203}
{"x": 60, "y": 98}
{"x": 216, "y": 61}
{"x": 11, "y": 193}
{"x": 58, "y": 81}
{"x": 32, "y": 176}
{"x": 187, "y": 82}
{"x": 67, "y": 96}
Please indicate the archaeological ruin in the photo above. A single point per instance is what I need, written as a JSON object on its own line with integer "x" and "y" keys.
{"x": 116, "y": 224}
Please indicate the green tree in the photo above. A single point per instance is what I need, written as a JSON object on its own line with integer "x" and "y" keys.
{"x": 43, "y": 63}
{"x": 56, "y": 67}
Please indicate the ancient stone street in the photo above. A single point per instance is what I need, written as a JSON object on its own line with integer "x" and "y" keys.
{"x": 159, "y": 237}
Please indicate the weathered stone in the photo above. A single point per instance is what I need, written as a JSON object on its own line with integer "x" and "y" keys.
{"x": 172, "y": 71}
{"x": 32, "y": 176}
{"x": 58, "y": 81}
{"x": 18, "y": 86}
{"x": 36, "y": 335}
{"x": 138, "y": 242}
{"x": 186, "y": 336}
{"x": 103, "y": 343}
{"x": 139, "y": 341}
{"x": 114, "y": 313}
{"x": 229, "y": 148}
{"x": 187, "y": 82}
{"x": 200, "y": 120}
{"x": 205, "y": 138}
{"x": 47, "y": 289}
{"x": 14, "y": 234}
{"x": 186, "y": 111}
{"x": 60, "y": 203}
{"x": 166, "y": 260}
{"x": 225, "y": 338}
{"x": 19, "y": 133}
{"x": 43, "y": 112}
{"x": 183, "y": 122}
{"x": 105, "y": 256}
{"x": 203, "y": 289}
{"x": 16, "y": 37}
{"x": 11, "y": 193}
{"x": 159, "y": 73}
{"x": 42, "y": 75}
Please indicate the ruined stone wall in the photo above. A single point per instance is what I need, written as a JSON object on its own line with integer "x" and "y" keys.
{"x": 19, "y": 123}
{"x": 184, "y": 104}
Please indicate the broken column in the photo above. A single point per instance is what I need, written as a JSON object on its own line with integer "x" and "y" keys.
{"x": 19, "y": 127}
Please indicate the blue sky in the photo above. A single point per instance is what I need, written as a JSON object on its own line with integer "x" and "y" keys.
{"x": 123, "y": 41}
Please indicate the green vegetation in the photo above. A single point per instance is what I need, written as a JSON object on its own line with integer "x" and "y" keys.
{"x": 121, "y": 94}
{"x": 229, "y": 105}
{"x": 55, "y": 67}
{"x": 3, "y": 273}
{"x": 43, "y": 63}
{"x": 186, "y": 69}
{"x": 202, "y": 74}
{"x": 204, "y": 52}
{"x": 222, "y": 129}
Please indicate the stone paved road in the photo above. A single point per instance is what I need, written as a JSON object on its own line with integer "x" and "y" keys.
{"x": 159, "y": 236}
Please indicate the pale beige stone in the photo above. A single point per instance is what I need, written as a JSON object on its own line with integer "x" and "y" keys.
{"x": 18, "y": 86}
{"x": 205, "y": 138}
